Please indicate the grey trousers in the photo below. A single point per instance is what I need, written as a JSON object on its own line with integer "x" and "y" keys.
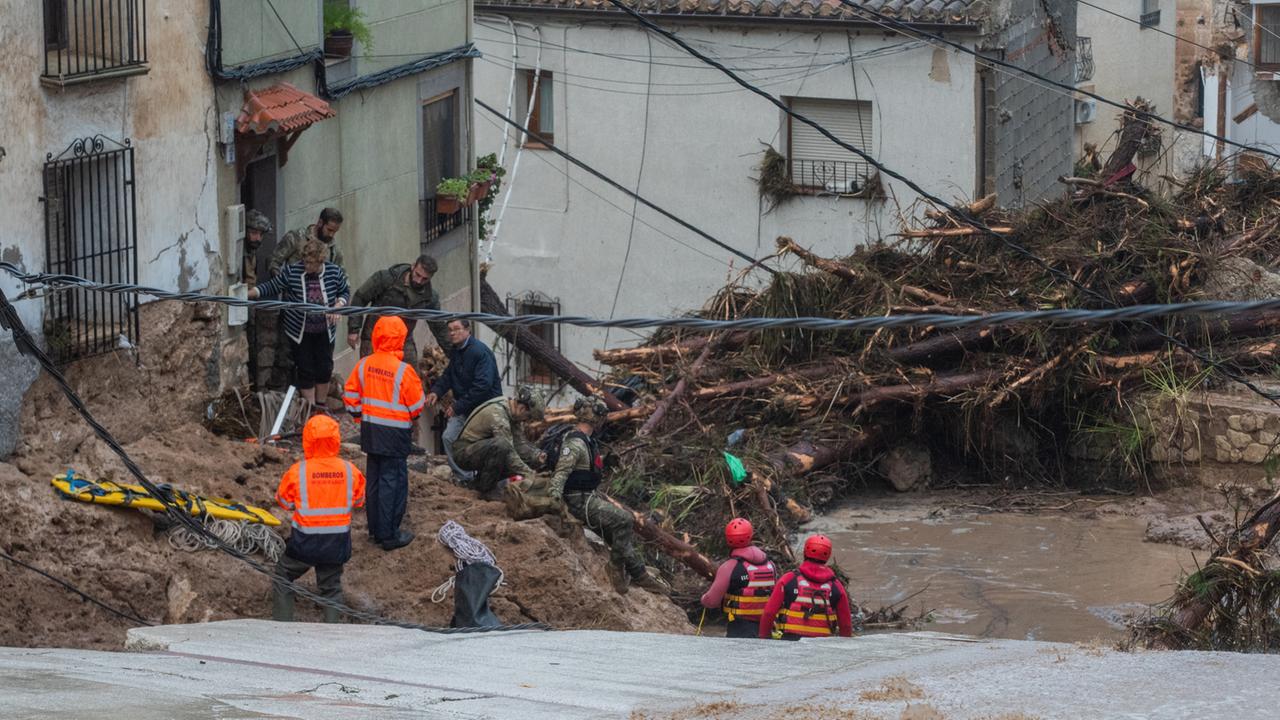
{"x": 452, "y": 430}
{"x": 328, "y": 585}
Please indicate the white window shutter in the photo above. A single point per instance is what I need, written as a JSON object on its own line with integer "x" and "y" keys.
{"x": 817, "y": 162}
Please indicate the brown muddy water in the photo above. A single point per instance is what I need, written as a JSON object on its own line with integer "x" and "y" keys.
{"x": 1057, "y": 578}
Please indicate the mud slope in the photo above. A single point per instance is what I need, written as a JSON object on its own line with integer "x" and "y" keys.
{"x": 154, "y": 407}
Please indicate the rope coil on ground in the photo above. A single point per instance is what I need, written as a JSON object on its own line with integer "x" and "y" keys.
{"x": 245, "y": 537}
{"x": 467, "y": 550}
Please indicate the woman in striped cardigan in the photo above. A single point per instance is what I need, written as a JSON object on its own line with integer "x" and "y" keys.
{"x": 315, "y": 281}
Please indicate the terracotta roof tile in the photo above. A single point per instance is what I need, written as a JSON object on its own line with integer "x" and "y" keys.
{"x": 281, "y": 108}
{"x": 930, "y": 11}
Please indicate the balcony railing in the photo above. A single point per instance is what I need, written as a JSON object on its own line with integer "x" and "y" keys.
{"x": 86, "y": 39}
{"x": 439, "y": 224}
{"x": 1084, "y": 59}
{"x": 833, "y": 176}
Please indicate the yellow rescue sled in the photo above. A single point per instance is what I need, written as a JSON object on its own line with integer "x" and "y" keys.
{"x": 105, "y": 492}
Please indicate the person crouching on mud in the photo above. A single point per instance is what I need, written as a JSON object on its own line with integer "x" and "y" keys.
{"x": 743, "y": 583}
{"x": 492, "y": 443}
{"x": 578, "y": 473}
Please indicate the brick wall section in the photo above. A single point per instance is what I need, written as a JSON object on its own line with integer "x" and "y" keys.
{"x": 1034, "y": 124}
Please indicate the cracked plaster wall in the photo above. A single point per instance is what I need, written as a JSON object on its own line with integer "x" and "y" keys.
{"x": 166, "y": 113}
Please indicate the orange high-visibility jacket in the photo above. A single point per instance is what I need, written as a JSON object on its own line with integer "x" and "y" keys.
{"x": 322, "y": 488}
{"x": 382, "y": 390}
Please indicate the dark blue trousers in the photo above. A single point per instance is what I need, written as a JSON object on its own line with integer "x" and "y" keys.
{"x": 386, "y": 494}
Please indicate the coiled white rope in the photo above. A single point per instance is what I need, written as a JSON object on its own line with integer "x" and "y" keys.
{"x": 243, "y": 536}
{"x": 467, "y": 550}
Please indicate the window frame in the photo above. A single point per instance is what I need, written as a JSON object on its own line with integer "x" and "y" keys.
{"x": 105, "y": 40}
{"x": 535, "y": 303}
{"x": 546, "y": 84}
{"x": 1257, "y": 36}
{"x": 1149, "y": 17}
{"x": 855, "y": 161}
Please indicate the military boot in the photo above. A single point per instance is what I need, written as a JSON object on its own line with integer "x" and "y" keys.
{"x": 282, "y": 605}
{"x": 618, "y": 578}
{"x": 650, "y": 580}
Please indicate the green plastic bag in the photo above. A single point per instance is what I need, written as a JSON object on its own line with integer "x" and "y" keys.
{"x": 736, "y": 469}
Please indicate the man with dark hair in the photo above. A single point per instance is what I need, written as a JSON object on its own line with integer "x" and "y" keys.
{"x": 402, "y": 286}
{"x": 472, "y": 377}
{"x": 289, "y": 249}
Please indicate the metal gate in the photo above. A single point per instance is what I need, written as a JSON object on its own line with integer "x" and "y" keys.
{"x": 90, "y": 231}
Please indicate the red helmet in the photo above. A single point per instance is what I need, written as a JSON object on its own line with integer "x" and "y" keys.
{"x": 818, "y": 548}
{"x": 738, "y": 533}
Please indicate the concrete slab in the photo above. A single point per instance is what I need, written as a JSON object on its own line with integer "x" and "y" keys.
{"x": 253, "y": 668}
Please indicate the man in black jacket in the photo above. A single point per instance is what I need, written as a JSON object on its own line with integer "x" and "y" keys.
{"x": 472, "y": 377}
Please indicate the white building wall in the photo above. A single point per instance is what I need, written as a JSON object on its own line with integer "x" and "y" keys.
{"x": 689, "y": 140}
{"x": 1131, "y": 61}
{"x": 168, "y": 116}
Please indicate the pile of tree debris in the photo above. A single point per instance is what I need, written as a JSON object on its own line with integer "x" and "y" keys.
{"x": 1004, "y": 403}
{"x": 1232, "y": 602}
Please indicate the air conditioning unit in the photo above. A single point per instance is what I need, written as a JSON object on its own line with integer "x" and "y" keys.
{"x": 1086, "y": 110}
{"x": 233, "y": 240}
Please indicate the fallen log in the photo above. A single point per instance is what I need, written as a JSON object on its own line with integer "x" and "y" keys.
{"x": 538, "y": 348}
{"x": 951, "y": 232}
{"x": 758, "y": 383}
{"x": 1252, "y": 323}
{"x": 867, "y": 398}
{"x": 666, "y": 352}
{"x": 923, "y": 352}
{"x": 679, "y": 548}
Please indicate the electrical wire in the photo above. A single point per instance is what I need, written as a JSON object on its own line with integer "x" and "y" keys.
{"x": 1139, "y": 23}
{"x": 960, "y": 214}
{"x": 686, "y": 225}
{"x": 1082, "y": 316}
{"x": 907, "y": 30}
{"x": 86, "y": 596}
{"x": 614, "y": 205}
{"x": 26, "y": 345}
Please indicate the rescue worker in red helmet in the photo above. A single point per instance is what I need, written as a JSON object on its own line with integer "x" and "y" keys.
{"x": 808, "y": 601}
{"x": 743, "y": 583}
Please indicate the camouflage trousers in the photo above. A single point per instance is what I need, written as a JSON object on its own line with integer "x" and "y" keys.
{"x": 612, "y": 523}
{"x": 491, "y": 460}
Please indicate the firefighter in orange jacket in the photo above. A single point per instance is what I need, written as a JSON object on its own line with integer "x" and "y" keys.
{"x": 384, "y": 395}
{"x": 320, "y": 490}
{"x": 808, "y": 601}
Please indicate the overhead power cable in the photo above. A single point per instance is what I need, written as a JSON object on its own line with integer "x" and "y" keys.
{"x": 10, "y": 320}
{"x": 1129, "y": 313}
{"x": 619, "y": 186}
{"x": 1144, "y": 26}
{"x": 86, "y": 596}
{"x": 959, "y": 213}
{"x": 902, "y": 28}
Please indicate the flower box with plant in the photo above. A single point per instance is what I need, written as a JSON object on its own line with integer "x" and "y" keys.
{"x": 452, "y": 194}
{"x": 343, "y": 25}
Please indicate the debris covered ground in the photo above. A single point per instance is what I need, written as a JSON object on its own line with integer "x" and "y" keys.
{"x": 156, "y": 409}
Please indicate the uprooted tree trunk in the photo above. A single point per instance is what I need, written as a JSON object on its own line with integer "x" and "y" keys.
{"x": 540, "y": 349}
{"x": 1135, "y": 128}
{"x": 668, "y": 351}
{"x": 677, "y": 547}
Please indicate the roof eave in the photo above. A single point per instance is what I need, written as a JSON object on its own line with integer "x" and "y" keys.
{"x": 712, "y": 19}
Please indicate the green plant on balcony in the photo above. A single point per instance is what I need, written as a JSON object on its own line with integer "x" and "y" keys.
{"x": 342, "y": 25}
{"x": 451, "y": 194}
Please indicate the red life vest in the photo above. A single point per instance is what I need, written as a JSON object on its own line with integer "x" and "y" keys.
{"x": 811, "y": 610}
{"x": 749, "y": 590}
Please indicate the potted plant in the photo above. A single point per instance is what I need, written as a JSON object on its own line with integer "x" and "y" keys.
{"x": 480, "y": 180}
{"x": 451, "y": 193}
{"x": 343, "y": 25}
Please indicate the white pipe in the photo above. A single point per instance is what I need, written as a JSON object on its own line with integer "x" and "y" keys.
{"x": 284, "y": 408}
{"x": 515, "y": 164}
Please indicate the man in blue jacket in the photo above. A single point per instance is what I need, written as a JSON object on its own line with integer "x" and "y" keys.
{"x": 472, "y": 377}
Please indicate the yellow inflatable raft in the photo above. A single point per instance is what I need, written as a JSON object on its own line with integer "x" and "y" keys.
{"x": 105, "y": 492}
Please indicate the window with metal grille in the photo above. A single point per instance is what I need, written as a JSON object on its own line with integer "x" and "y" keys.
{"x": 1266, "y": 36}
{"x": 816, "y": 163}
{"x": 542, "y": 119}
{"x": 90, "y": 231}
{"x": 91, "y": 39}
{"x": 531, "y": 370}
{"x": 1150, "y": 13}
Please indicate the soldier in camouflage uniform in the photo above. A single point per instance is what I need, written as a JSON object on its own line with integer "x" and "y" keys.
{"x": 256, "y": 226}
{"x": 578, "y": 473}
{"x": 492, "y": 443}
{"x": 403, "y": 286}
